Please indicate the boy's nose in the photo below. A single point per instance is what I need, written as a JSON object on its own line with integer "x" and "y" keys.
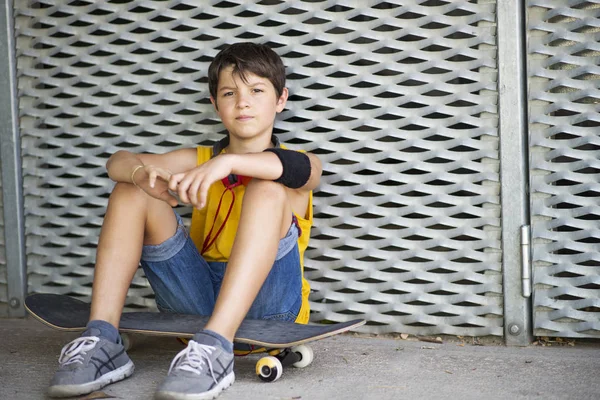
{"x": 243, "y": 101}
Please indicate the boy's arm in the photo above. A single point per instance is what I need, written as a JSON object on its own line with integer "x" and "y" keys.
{"x": 266, "y": 165}
{"x": 122, "y": 163}
{"x": 151, "y": 172}
{"x": 192, "y": 187}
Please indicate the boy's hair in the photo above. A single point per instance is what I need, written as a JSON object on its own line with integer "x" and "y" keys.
{"x": 247, "y": 57}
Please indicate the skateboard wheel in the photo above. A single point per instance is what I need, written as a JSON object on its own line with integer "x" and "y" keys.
{"x": 306, "y": 356}
{"x": 269, "y": 369}
{"x": 127, "y": 340}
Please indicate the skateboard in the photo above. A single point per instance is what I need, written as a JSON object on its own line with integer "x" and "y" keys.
{"x": 284, "y": 342}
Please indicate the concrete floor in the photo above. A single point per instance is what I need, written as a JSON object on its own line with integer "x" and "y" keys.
{"x": 345, "y": 367}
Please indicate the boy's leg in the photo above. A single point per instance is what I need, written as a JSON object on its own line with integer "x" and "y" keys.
{"x": 132, "y": 219}
{"x": 265, "y": 218}
{"x": 97, "y": 358}
{"x": 280, "y": 297}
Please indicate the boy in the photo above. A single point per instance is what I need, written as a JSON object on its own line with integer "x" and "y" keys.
{"x": 240, "y": 259}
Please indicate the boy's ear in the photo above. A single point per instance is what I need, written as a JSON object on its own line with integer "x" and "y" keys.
{"x": 282, "y": 100}
{"x": 214, "y": 103}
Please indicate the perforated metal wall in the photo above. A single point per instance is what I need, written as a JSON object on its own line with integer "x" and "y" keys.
{"x": 565, "y": 182}
{"x": 398, "y": 99}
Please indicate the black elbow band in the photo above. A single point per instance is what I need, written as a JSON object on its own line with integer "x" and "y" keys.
{"x": 296, "y": 167}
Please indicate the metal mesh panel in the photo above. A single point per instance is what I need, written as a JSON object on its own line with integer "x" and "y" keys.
{"x": 398, "y": 98}
{"x": 564, "y": 97}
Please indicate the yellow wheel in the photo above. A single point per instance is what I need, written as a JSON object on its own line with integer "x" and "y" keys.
{"x": 269, "y": 369}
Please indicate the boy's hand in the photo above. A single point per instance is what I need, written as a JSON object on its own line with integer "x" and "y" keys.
{"x": 155, "y": 183}
{"x": 192, "y": 186}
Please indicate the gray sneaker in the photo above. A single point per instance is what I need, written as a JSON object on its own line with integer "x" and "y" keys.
{"x": 201, "y": 371}
{"x": 89, "y": 363}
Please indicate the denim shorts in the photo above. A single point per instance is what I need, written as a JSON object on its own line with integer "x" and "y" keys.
{"x": 184, "y": 282}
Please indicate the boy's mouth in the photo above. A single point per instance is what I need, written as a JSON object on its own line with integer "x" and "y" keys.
{"x": 244, "y": 118}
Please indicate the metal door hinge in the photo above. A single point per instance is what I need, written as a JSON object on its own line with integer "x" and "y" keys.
{"x": 526, "y": 260}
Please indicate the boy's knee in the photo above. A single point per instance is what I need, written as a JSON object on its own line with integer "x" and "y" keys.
{"x": 267, "y": 190}
{"x": 127, "y": 191}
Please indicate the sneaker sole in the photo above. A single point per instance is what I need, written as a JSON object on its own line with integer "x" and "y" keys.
{"x": 211, "y": 394}
{"x": 75, "y": 390}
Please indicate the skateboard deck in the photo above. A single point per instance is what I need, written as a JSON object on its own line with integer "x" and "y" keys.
{"x": 69, "y": 314}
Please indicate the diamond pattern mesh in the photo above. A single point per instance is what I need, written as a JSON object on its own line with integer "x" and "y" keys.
{"x": 564, "y": 120}
{"x": 398, "y": 99}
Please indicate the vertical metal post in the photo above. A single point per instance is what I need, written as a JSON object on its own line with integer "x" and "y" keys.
{"x": 514, "y": 172}
{"x": 10, "y": 157}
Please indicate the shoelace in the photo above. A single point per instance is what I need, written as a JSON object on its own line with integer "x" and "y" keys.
{"x": 193, "y": 358}
{"x": 74, "y": 351}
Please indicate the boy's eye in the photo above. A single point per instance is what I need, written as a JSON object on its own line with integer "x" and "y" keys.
{"x": 257, "y": 90}
{"x": 226, "y": 94}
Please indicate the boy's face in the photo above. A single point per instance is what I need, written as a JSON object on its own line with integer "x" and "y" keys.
{"x": 247, "y": 109}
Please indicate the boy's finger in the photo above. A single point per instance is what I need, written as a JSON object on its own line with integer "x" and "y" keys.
{"x": 203, "y": 192}
{"x": 193, "y": 193}
{"x": 152, "y": 178}
{"x": 182, "y": 191}
{"x": 174, "y": 181}
{"x": 163, "y": 174}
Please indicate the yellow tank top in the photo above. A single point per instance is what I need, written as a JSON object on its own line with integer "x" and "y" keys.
{"x": 220, "y": 250}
